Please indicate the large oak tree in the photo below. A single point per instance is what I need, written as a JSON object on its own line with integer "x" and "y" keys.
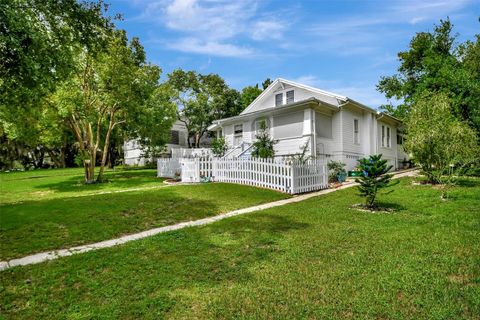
{"x": 436, "y": 63}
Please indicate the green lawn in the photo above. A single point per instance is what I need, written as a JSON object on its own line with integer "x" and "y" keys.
{"x": 58, "y": 210}
{"x": 313, "y": 259}
{"x": 62, "y": 183}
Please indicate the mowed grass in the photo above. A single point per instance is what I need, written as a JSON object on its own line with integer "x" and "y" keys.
{"x": 75, "y": 213}
{"x": 313, "y": 259}
{"x": 62, "y": 183}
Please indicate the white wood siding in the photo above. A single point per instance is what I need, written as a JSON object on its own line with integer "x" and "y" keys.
{"x": 389, "y": 153}
{"x": 291, "y": 146}
{"x": 288, "y": 125}
{"x": 349, "y": 145}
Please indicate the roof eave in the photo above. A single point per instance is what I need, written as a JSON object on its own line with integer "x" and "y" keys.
{"x": 218, "y": 123}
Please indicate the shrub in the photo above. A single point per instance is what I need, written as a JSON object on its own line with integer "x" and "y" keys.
{"x": 374, "y": 177}
{"x": 335, "y": 168}
{"x": 440, "y": 143}
{"x": 219, "y": 147}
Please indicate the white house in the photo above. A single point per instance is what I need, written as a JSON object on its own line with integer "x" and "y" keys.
{"x": 133, "y": 153}
{"x": 331, "y": 126}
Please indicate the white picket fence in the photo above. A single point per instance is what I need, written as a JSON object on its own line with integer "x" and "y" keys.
{"x": 191, "y": 152}
{"x": 168, "y": 167}
{"x": 286, "y": 176}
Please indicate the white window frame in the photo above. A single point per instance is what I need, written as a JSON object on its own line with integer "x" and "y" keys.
{"x": 356, "y": 132}
{"x": 282, "y": 102}
{"x": 237, "y": 137}
{"x": 383, "y": 136}
{"x": 286, "y": 96}
{"x": 389, "y": 137}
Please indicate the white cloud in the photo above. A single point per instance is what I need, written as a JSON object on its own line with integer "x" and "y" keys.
{"x": 214, "y": 20}
{"x": 213, "y": 48}
{"x": 212, "y": 26}
{"x": 267, "y": 29}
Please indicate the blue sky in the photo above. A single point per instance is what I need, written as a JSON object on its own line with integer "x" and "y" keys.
{"x": 339, "y": 46}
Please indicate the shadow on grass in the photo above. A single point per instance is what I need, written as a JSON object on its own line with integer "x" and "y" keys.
{"x": 469, "y": 183}
{"x": 396, "y": 207}
{"x": 35, "y": 226}
{"x": 154, "y": 275}
{"x": 123, "y": 179}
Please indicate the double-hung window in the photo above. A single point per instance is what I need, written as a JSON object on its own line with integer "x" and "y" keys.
{"x": 278, "y": 99}
{"x": 388, "y": 138}
{"x": 237, "y": 134}
{"x": 356, "y": 132}
{"x": 383, "y": 136}
{"x": 290, "y": 96}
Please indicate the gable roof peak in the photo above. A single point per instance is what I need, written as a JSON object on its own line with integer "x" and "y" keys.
{"x": 307, "y": 87}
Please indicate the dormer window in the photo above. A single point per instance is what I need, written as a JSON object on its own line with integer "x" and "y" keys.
{"x": 278, "y": 99}
{"x": 290, "y": 97}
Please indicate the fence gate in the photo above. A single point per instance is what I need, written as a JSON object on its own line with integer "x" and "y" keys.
{"x": 190, "y": 170}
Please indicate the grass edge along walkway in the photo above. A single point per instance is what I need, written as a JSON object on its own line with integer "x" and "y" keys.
{"x": 55, "y": 254}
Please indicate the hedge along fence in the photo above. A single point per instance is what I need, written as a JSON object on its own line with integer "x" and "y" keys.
{"x": 287, "y": 176}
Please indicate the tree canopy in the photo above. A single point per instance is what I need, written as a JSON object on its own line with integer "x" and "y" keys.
{"x": 39, "y": 47}
{"x": 249, "y": 93}
{"x": 434, "y": 62}
{"x": 202, "y": 99}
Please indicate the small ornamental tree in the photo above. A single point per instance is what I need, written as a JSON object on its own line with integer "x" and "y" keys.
{"x": 219, "y": 147}
{"x": 374, "y": 177}
{"x": 440, "y": 143}
{"x": 263, "y": 146}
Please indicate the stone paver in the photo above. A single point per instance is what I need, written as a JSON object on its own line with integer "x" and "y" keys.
{"x": 51, "y": 255}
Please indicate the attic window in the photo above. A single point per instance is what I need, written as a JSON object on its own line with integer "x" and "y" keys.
{"x": 290, "y": 96}
{"x": 278, "y": 99}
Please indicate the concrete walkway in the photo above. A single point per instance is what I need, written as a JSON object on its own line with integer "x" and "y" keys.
{"x": 51, "y": 255}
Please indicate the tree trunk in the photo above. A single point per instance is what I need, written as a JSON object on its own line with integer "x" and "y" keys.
{"x": 105, "y": 149}
{"x": 90, "y": 165}
{"x": 197, "y": 140}
{"x": 112, "y": 156}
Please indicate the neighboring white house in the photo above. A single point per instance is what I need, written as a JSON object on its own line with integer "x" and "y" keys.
{"x": 330, "y": 125}
{"x": 178, "y": 142}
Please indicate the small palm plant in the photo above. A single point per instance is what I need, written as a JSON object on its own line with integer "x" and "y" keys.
{"x": 374, "y": 177}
